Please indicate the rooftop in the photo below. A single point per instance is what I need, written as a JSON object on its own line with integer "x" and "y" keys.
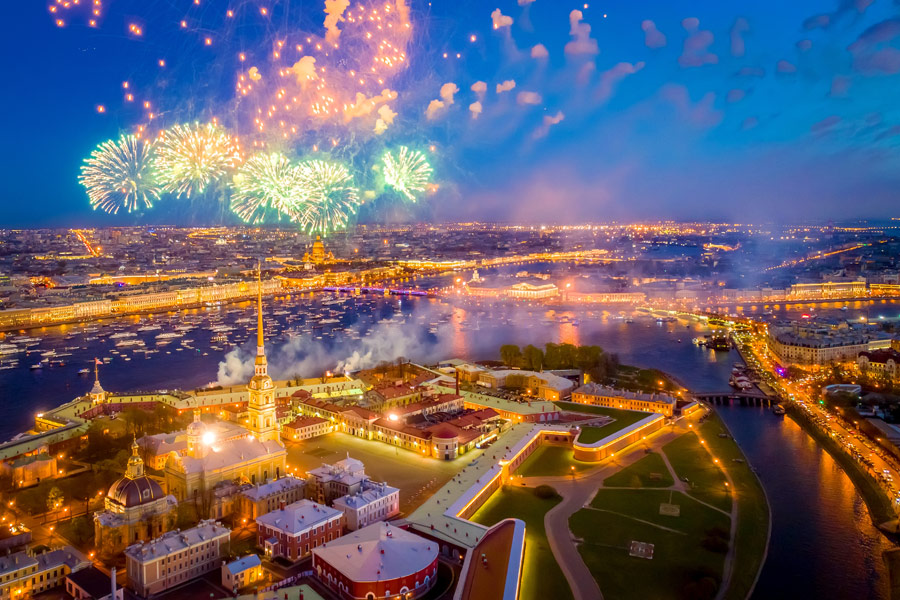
{"x": 298, "y": 517}
{"x": 176, "y": 541}
{"x": 378, "y": 552}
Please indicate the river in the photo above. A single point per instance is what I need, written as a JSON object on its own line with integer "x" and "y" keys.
{"x": 823, "y": 544}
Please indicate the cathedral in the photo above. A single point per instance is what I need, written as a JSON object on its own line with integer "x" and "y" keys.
{"x": 136, "y": 509}
{"x": 256, "y": 458}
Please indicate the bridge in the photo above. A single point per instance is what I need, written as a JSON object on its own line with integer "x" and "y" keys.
{"x": 745, "y": 398}
{"x": 369, "y": 289}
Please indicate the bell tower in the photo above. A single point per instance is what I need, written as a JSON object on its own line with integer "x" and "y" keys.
{"x": 261, "y": 389}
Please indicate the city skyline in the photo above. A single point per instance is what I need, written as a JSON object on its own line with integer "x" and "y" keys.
{"x": 706, "y": 112}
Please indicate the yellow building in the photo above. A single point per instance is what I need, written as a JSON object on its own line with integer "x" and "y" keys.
{"x": 23, "y": 574}
{"x": 254, "y": 459}
{"x": 136, "y": 509}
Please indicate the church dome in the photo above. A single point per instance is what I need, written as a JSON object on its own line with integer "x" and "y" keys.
{"x": 134, "y": 492}
{"x": 196, "y": 427}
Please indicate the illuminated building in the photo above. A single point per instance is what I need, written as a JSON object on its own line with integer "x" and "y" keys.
{"x": 600, "y": 395}
{"x": 371, "y": 503}
{"x": 880, "y": 363}
{"x": 812, "y": 345}
{"x": 176, "y": 557}
{"x": 23, "y": 574}
{"x": 294, "y": 530}
{"x": 829, "y": 289}
{"x": 136, "y": 509}
{"x": 242, "y": 572}
{"x": 546, "y": 386}
{"x": 378, "y": 561}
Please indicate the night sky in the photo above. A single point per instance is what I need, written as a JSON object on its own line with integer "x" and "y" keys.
{"x": 753, "y": 111}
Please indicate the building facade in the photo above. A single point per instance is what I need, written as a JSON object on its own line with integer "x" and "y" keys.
{"x": 294, "y": 530}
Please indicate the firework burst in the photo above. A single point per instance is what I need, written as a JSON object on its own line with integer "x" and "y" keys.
{"x": 332, "y": 199}
{"x": 267, "y": 185}
{"x": 191, "y": 157}
{"x": 408, "y": 172}
{"x": 119, "y": 174}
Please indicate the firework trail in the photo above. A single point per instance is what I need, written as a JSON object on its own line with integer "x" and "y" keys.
{"x": 332, "y": 197}
{"x": 268, "y": 185}
{"x": 191, "y": 157}
{"x": 408, "y": 172}
{"x": 119, "y": 174}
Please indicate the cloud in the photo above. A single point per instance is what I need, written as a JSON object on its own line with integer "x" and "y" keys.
{"x": 783, "y": 66}
{"x": 334, "y": 14}
{"x": 548, "y": 122}
{"x": 364, "y": 106}
{"x": 539, "y": 51}
{"x": 690, "y": 24}
{"x": 475, "y": 108}
{"x": 840, "y": 85}
{"x": 612, "y": 76}
{"x": 447, "y": 92}
{"x": 872, "y": 51}
{"x": 253, "y": 74}
{"x": 735, "y": 95}
{"x": 751, "y": 72}
{"x": 403, "y": 12}
{"x": 701, "y": 113}
{"x": 506, "y": 86}
{"x": 695, "y": 52}
{"x": 817, "y": 22}
{"x": 582, "y": 42}
{"x": 825, "y": 124}
{"x": 804, "y": 45}
{"x": 740, "y": 27}
{"x": 750, "y": 123}
{"x": 525, "y": 2}
{"x": 385, "y": 118}
{"x": 305, "y": 70}
{"x": 528, "y": 98}
{"x": 479, "y": 87}
{"x": 500, "y": 20}
{"x": 434, "y": 109}
{"x": 653, "y": 37}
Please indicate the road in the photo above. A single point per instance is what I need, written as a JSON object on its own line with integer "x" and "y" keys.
{"x": 803, "y": 393}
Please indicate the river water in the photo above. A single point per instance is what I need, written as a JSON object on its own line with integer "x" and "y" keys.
{"x": 822, "y": 546}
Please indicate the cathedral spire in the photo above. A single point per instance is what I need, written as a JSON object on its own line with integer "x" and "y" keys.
{"x": 260, "y": 341}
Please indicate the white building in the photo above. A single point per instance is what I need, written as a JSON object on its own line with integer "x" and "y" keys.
{"x": 242, "y": 572}
{"x": 374, "y": 502}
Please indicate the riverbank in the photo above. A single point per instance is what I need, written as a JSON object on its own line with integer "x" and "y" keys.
{"x": 880, "y": 510}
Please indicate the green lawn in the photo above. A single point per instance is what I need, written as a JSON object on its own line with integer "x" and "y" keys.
{"x": 680, "y": 561}
{"x": 541, "y": 576}
{"x": 691, "y": 460}
{"x": 753, "y": 511}
{"x": 639, "y": 474}
{"x": 623, "y": 418}
{"x": 548, "y": 461}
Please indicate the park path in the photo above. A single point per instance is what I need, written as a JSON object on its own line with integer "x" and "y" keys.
{"x": 577, "y": 492}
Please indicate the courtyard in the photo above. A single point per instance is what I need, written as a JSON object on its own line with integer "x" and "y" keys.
{"x": 416, "y": 476}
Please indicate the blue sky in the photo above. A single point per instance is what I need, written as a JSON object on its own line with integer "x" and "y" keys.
{"x": 717, "y": 110}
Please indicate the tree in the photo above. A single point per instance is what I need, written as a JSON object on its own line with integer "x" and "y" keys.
{"x": 552, "y": 356}
{"x": 54, "y": 499}
{"x": 534, "y": 358}
{"x": 511, "y": 355}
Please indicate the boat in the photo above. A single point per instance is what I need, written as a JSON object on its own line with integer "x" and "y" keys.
{"x": 629, "y": 320}
{"x": 36, "y": 366}
{"x": 844, "y": 308}
{"x": 778, "y": 410}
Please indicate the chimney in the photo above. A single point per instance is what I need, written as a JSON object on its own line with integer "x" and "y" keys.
{"x": 112, "y": 582}
{"x": 457, "y": 382}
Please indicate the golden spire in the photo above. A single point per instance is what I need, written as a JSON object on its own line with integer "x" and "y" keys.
{"x": 260, "y": 350}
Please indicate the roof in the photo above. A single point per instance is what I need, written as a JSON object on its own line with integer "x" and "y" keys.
{"x": 497, "y": 578}
{"x": 134, "y": 492}
{"x": 93, "y": 581}
{"x": 273, "y": 487}
{"x": 882, "y": 356}
{"x": 594, "y": 389}
{"x": 298, "y": 517}
{"x": 230, "y": 453}
{"x": 240, "y": 565}
{"x": 301, "y": 422}
{"x": 549, "y": 379}
{"x": 378, "y": 552}
{"x": 176, "y": 541}
{"x": 371, "y": 492}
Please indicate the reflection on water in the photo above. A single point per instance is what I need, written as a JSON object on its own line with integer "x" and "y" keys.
{"x": 823, "y": 544}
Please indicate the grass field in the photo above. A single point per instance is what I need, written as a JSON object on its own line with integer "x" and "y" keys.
{"x": 690, "y": 460}
{"x": 639, "y": 474}
{"x": 623, "y": 418}
{"x": 548, "y": 461}
{"x": 541, "y": 576}
{"x": 753, "y": 511}
{"x": 681, "y": 566}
